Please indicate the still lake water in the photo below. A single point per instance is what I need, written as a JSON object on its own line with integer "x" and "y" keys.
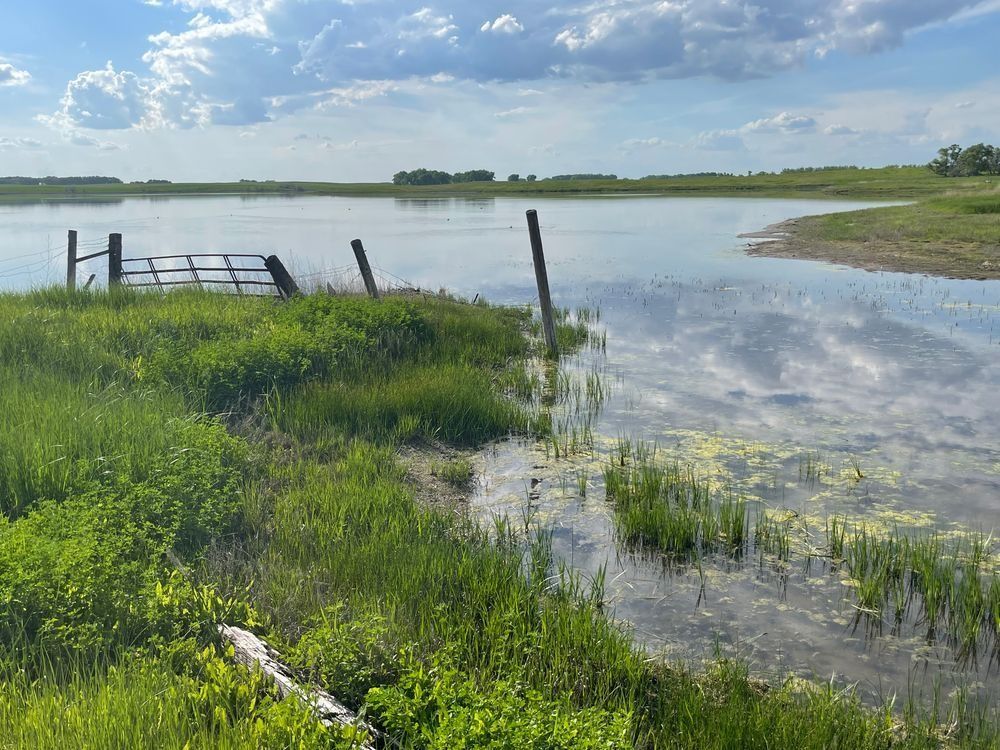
{"x": 748, "y": 369}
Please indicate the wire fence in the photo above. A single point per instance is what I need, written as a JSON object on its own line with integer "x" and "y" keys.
{"x": 39, "y": 262}
{"x": 347, "y": 279}
{"x": 43, "y": 264}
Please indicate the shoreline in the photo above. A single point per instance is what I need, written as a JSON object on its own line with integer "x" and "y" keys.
{"x": 876, "y": 184}
{"x": 796, "y": 239}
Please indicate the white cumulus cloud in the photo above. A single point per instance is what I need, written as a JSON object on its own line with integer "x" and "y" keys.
{"x": 505, "y": 24}
{"x": 11, "y": 76}
{"x": 234, "y": 58}
{"x": 104, "y": 99}
{"x": 784, "y": 122}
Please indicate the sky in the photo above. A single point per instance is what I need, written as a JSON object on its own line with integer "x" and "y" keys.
{"x": 356, "y": 90}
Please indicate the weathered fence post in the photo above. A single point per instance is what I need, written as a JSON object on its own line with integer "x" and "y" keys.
{"x": 71, "y": 261}
{"x": 114, "y": 259}
{"x": 366, "y": 270}
{"x": 284, "y": 281}
{"x": 542, "y": 277}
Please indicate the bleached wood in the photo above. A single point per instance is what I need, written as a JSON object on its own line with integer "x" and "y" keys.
{"x": 254, "y": 652}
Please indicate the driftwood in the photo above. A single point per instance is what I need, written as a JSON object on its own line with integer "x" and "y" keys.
{"x": 254, "y": 652}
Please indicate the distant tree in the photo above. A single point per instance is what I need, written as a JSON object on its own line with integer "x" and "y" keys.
{"x": 422, "y": 177}
{"x": 946, "y": 160}
{"x": 474, "y": 175}
{"x": 978, "y": 159}
{"x": 689, "y": 174}
{"x": 583, "y": 177}
{"x": 532, "y": 177}
{"x": 796, "y": 170}
{"x": 435, "y": 177}
{"x": 513, "y": 178}
{"x": 60, "y": 181}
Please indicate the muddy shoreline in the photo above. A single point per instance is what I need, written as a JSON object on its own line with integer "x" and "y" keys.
{"x": 796, "y": 239}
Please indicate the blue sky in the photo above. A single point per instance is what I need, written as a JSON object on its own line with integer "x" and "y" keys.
{"x": 354, "y": 90}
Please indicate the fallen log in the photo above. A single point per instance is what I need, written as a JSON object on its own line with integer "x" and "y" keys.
{"x": 254, "y": 652}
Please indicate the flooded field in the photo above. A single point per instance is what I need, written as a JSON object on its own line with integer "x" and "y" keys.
{"x": 823, "y": 397}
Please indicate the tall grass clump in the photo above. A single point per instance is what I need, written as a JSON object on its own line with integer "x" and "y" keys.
{"x": 666, "y": 508}
{"x": 59, "y": 437}
{"x": 455, "y": 403}
{"x": 949, "y": 587}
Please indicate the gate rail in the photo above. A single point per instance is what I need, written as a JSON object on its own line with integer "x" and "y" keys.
{"x": 244, "y": 279}
{"x": 268, "y": 279}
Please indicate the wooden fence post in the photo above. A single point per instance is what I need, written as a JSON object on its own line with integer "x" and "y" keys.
{"x": 114, "y": 260}
{"x": 366, "y": 270}
{"x": 286, "y": 284}
{"x": 542, "y": 278}
{"x": 71, "y": 261}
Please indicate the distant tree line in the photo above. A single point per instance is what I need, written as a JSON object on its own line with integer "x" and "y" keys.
{"x": 150, "y": 182}
{"x": 688, "y": 174}
{"x": 955, "y": 161}
{"x": 798, "y": 170}
{"x": 435, "y": 177}
{"x": 517, "y": 178}
{"x": 60, "y": 181}
{"x": 583, "y": 177}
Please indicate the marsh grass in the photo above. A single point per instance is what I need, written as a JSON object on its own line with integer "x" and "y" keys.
{"x": 948, "y": 586}
{"x": 669, "y": 509}
{"x": 457, "y": 472}
{"x": 945, "y": 587}
{"x": 445, "y": 630}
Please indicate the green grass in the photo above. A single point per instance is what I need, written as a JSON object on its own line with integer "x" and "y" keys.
{"x": 670, "y": 510}
{"x": 952, "y": 219}
{"x": 886, "y": 183}
{"x": 257, "y": 441}
{"x": 456, "y": 472}
{"x": 187, "y": 698}
{"x": 953, "y": 235}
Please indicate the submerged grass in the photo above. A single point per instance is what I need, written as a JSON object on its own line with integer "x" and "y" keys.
{"x": 448, "y": 634}
{"x": 948, "y": 587}
{"x": 671, "y": 510}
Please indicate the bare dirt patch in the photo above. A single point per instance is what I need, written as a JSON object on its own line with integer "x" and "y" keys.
{"x": 424, "y": 463}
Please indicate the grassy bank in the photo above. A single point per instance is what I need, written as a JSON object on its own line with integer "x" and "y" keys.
{"x": 955, "y": 235}
{"x": 888, "y": 183}
{"x": 257, "y": 441}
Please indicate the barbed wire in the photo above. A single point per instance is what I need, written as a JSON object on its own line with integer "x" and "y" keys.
{"x": 394, "y": 280}
{"x": 45, "y": 264}
{"x": 36, "y": 254}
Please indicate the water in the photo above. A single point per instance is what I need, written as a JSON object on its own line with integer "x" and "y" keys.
{"x": 747, "y": 368}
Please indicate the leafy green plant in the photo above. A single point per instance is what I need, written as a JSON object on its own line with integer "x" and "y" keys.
{"x": 436, "y": 708}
